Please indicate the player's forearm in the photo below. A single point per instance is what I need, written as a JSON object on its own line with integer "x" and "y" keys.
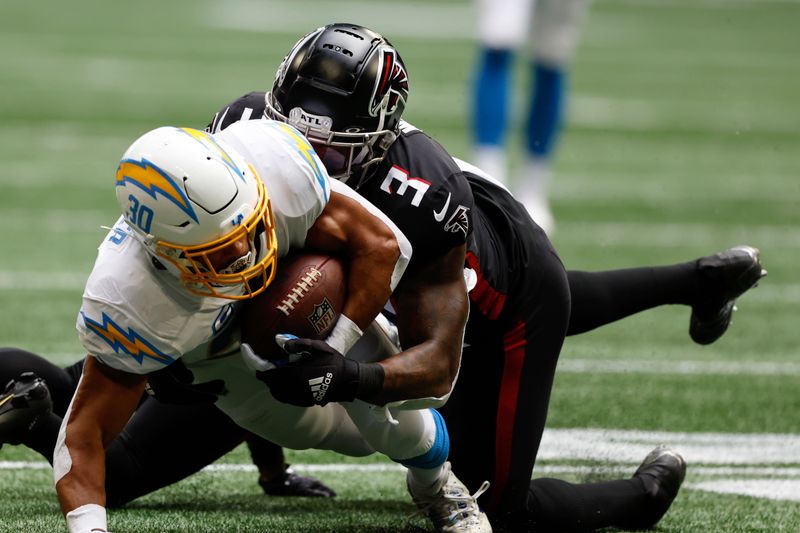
{"x": 368, "y": 289}
{"x": 423, "y": 371}
{"x": 79, "y": 468}
{"x": 368, "y": 281}
{"x": 379, "y": 252}
{"x": 431, "y": 323}
{"x": 104, "y": 401}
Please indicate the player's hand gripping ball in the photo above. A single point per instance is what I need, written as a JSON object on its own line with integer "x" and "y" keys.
{"x": 282, "y": 332}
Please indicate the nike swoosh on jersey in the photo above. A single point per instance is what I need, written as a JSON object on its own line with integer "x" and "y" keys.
{"x": 440, "y": 215}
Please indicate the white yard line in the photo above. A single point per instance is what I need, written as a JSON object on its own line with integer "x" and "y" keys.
{"x": 719, "y": 453}
{"x": 61, "y": 221}
{"x": 773, "y": 489}
{"x": 730, "y": 459}
{"x": 636, "y": 366}
{"x": 546, "y": 469}
{"x": 674, "y": 234}
{"x": 43, "y": 281}
{"x": 764, "y": 449}
{"x": 733, "y": 459}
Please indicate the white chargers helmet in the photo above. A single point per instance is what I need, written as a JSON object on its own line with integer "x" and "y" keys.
{"x": 194, "y": 202}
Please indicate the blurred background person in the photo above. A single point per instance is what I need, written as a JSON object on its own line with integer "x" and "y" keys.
{"x": 550, "y": 30}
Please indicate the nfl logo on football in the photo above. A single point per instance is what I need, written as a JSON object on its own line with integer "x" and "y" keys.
{"x": 322, "y": 317}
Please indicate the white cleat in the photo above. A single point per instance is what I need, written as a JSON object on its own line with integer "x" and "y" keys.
{"x": 453, "y": 509}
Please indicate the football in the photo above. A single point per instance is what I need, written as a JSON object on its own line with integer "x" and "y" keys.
{"x": 304, "y": 299}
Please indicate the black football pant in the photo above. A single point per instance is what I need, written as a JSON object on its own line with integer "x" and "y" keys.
{"x": 497, "y": 411}
{"x": 160, "y": 445}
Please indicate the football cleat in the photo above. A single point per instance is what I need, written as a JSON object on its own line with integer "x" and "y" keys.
{"x": 662, "y": 472}
{"x": 290, "y": 484}
{"x": 22, "y": 403}
{"x": 725, "y": 277}
{"x": 453, "y": 509}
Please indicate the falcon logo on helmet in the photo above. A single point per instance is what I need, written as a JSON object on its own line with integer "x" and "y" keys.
{"x": 391, "y": 83}
{"x": 344, "y": 87}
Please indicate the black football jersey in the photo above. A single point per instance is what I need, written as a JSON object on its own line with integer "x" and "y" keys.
{"x": 438, "y": 202}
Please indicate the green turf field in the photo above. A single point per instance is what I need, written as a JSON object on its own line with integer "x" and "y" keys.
{"x": 683, "y": 139}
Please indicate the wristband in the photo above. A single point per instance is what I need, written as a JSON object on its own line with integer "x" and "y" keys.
{"x": 344, "y": 335}
{"x": 370, "y": 380}
{"x": 87, "y": 518}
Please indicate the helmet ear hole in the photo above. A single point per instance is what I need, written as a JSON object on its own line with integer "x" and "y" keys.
{"x": 343, "y": 86}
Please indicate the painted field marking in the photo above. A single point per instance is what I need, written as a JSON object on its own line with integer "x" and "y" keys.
{"x": 636, "y": 366}
{"x": 746, "y": 464}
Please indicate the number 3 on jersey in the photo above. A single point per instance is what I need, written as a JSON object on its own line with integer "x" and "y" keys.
{"x": 419, "y": 185}
{"x": 140, "y": 214}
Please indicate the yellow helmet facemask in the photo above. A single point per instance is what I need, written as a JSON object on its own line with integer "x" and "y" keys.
{"x": 241, "y": 279}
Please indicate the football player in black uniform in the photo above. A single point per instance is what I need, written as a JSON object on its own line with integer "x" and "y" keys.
{"x": 36, "y": 396}
{"x": 345, "y": 87}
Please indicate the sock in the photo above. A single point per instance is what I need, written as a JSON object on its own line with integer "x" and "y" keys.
{"x": 492, "y": 84}
{"x": 268, "y": 457}
{"x": 555, "y": 505}
{"x": 427, "y": 473}
{"x": 545, "y": 114}
{"x": 428, "y": 481}
{"x": 599, "y": 298}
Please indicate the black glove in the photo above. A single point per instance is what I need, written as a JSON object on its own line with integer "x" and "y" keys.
{"x": 318, "y": 374}
{"x": 173, "y": 384}
{"x": 290, "y": 484}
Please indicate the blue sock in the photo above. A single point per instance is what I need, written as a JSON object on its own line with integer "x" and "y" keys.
{"x": 438, "y": 453}
{"x": 491, "y": 102}
{"x": 548, "y": 88}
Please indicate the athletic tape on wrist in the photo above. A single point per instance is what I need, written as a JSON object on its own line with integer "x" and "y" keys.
{"x": 87, "y": 518}
{"x": 344, "y": 335}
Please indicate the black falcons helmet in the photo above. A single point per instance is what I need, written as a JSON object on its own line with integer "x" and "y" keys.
{"x": 343, "y": 86}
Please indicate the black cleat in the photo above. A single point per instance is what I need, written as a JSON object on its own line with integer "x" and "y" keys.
{"x": 661, "y": 474}
{"x": 725, "y": 277}
{"x": 22, "y": 404}
{"x": 665, "y": 469}
{"x": 290, "y": 484}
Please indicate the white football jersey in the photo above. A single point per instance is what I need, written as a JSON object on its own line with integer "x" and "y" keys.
{"x": 137, "y": 318}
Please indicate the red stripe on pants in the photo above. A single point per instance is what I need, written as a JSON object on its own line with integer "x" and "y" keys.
{"x": 514, "y": 347}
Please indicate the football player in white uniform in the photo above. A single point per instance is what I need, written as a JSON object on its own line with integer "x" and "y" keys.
{"x": 200, "y": 232}
{"x": 550, "y": 30}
